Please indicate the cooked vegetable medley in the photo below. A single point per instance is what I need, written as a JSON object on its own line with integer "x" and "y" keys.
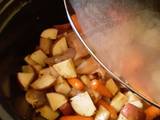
{"x": 62, "y": 81}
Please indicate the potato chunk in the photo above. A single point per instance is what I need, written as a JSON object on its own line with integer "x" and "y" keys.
{"x": 66, "y": 69}
{"x": 83, "y": 104}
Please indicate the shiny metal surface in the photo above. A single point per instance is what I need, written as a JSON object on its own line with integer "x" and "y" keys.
{"x": 92, "y": 48}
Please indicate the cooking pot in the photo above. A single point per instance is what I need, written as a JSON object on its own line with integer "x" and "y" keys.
{"x": 21, "y": 22}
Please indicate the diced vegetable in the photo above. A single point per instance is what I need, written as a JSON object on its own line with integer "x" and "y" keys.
{"x": 83, "y": 104}
{"x": 60, "y": 47}
{"x": 76, "y": 23}
{"x": 102, "y": 113}
{"x": 66, "y": 109}
{"x": 111, "y": 86}
{"x": 45, "y": 45}
{"x": 39, "y": 57}
{"x": 152, "y": 112}
{"x": 131, "y": 112}
{"x": 99, "y": 87}
{"x": 43, "y": 82}
{"x": 85, "y": 79}
{"x": 121, "y": 117}
{"x": 76, "y": 83}
{"x": 134, "y": 100}
{"x": 74, "y": 42}
{"x": 63, "y": 27}
{"x": 76, "y": 117}
{"x": 35, "y": 98}
{"x": 118, "y": 101}
{"x": 25, "y": 79}
{"x": 48, "y": 113}
{"x": 62, "y": 86}
{"x": 66, "y": 69}
{"x": 113, "y": 112}
{"x": 70, "y": 53}
{"x": 27, "y": 69}
{"x": 49, "y": 33}
{"x": 56, "y": 100}
{"x": 87, "y": 67}
{"x": 62, "y": 81}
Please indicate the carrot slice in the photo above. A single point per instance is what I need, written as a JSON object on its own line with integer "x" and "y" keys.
{"x": 152, "y": 112}
{"x": 76, "y": 83}
{"x": 76, "y": 23}
{"x": 62, "y": 27}
{"x": 75, "y": 117}
{"x": 100, "y": 88}
{"x": 113, "y": 113}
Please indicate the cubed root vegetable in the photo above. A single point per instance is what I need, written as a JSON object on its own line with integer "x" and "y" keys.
{"x": 25, "y": 79}
{"x": 76, "y": 23}
{"x": 50, "y": 33}
{"x": 62, "y": 86}
{"x": 111, "y": 86}
{"x": 100, "y": 88}
{"x": 66, "y": 109}
{"x": 56, "y": 100}
{"x": 48, "y": 113}
{"x": 131, "y": 112}
{"x": 39, "y": 57}
{"x": 113, "y": 112}
{"x": 43, "y": 82}
{"x": 83, "y": 104}
{"x": 87, "y": 67}
{"x": 102, "y": 113}
{"x": 76, "y": 117}
{"x": 76, "y": 83}
{"x": 152, "y": 112}
{"x": 63, "y": 27}
{"x": 119, "y": 101}
{"x": 60, "y": 47}
{"x": 66, "y": 69}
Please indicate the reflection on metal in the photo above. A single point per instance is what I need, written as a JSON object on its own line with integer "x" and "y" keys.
{"x": 116, "y": 76}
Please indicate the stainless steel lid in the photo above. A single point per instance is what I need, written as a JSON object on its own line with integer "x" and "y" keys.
{"x": 123, "y": 36}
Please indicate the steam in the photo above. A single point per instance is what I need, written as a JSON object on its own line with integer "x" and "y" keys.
{"x": 125, "y": 37}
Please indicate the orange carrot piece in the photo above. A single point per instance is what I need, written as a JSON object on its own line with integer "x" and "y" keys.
{"x": 100, "y": 88}
{"x": 76, "y": 83}
{"x": 76, "y": 117}
{"x": 76, "y": 23}
{"x": 152, "y": 112}
{"x": 113, "y": 112}
{"x": 62, "y": 27}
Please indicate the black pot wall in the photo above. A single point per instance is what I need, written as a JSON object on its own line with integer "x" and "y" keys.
{"x": 18, "y": 39}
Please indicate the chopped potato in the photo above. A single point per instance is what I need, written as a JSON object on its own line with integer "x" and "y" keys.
{"x": 56, "y": 100}
{"x": 25, "y": 79}
{"x": 119, "y": 101}
{"x": 39, "y": 57}
{"x": 66, "y": 69}
{"x": 27, "y": 68}
{"x": 49, "y": 33}
{"x": 83, "y": 104}
{"x": 62, "y": 86}
{"x": 102, "y": 114}
{"x": 43, "y": 82}
{"x": 111, "y": 86}
{"x": 48, "y": 113}
{"x": 35, "y": 98}
{"x": 85, "y": 79}
{"x": 60, "y": 47}
{"x": 45, "y": 45}
{"x": 87, "y": 67}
